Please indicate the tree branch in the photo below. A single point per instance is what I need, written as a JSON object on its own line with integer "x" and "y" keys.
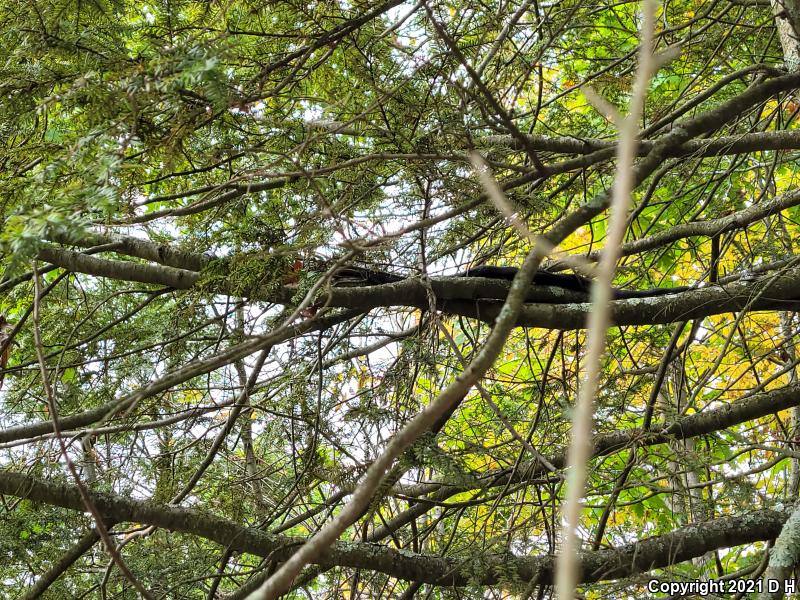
{"x": 602, "y": 565}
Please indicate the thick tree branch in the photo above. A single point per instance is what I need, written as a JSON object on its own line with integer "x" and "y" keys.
{"x": 718, "y": 146}
{"x": 647, "y": 554}
{"x": 179, "y": 279}
{"x": 162, "y": 254}
{"x": 479, "y": 298}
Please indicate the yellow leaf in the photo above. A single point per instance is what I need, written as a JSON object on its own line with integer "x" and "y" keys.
{"x": 362, "y": 378}
{"x": 190, "y": 396}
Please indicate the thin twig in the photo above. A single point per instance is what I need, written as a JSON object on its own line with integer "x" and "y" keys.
{"x": 599, "y": 318}
{"x": 501, "y": 202}
{"x": 53, "y": 409}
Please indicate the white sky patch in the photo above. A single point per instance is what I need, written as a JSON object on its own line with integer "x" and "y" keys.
{"x": 311, "y": 112}
{"x": 148, "y": 15}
